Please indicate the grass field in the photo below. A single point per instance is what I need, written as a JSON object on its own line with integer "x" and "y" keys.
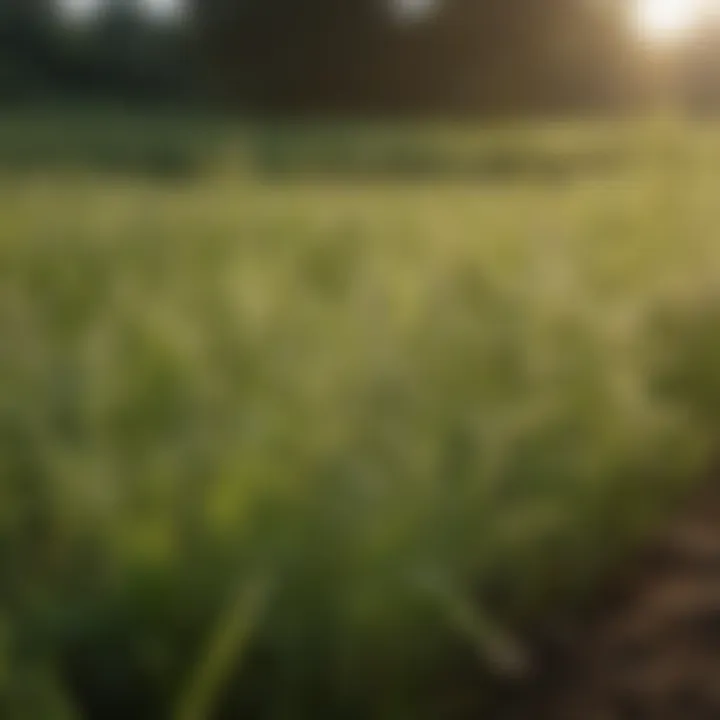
{"x": 296, "y": 445}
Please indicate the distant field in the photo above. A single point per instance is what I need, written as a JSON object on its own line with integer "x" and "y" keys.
{"x": 293, "y": 435}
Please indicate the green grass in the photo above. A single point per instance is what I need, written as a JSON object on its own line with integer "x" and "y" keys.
{"x": 290, "y": 448}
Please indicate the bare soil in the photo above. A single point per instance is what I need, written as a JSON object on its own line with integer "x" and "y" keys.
{"x": 652, "y": 650}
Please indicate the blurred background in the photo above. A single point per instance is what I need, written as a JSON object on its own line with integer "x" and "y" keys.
{"x": 377, "y": 57}
{"x": 358, "y": 359}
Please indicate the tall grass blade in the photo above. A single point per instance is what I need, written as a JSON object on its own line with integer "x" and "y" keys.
{"x": 224, "y": 652}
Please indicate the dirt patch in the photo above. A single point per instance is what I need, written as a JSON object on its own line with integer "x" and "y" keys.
{"x": 652, "y": 650}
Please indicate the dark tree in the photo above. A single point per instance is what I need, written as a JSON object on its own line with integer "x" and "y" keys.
{"x": 119, "y": 55}
{"x": 323, "y": 56}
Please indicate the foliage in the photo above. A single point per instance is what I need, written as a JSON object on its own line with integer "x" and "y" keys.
{"x": 108, "y": 141}
{"x": 120, "y": 56}
{"x": 353, "y": 59}
{"x": 469, "y": 57}
{"x": 286, "y": 450}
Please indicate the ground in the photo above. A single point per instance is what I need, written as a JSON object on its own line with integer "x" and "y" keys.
{"x": 650, "y": 647}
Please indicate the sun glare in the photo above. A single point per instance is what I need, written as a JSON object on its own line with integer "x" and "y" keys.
{"x": 667, "y": 19}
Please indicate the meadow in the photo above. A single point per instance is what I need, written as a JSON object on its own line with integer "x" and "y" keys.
{"x": 324, "y": 422}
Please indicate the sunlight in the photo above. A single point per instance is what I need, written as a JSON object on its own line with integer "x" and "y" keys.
{"x": 87, "y": 9}
{"x": 667, "y": 19}
{"x": 414, "y": 10}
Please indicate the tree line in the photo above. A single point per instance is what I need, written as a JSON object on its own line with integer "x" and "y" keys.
{"x": 467, "y": 56}
{"x": 357, "y": 57}
{"x": 120, "y": 54}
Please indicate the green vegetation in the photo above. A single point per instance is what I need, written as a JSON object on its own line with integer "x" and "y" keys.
{"x": 289, "y": 449}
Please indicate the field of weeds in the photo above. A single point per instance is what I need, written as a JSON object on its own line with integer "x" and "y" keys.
{"x": 295, "y": 420}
